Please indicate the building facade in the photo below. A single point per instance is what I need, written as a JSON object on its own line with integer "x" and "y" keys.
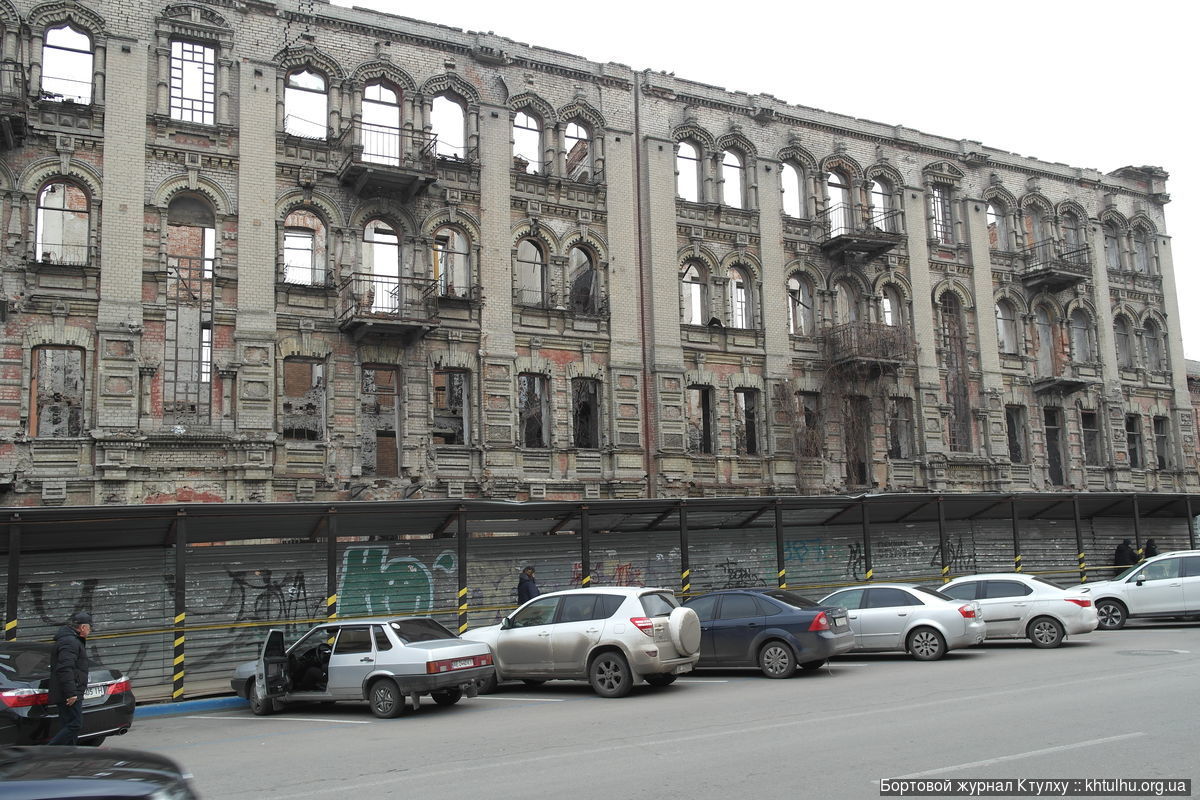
{"x": 291, "y": 251}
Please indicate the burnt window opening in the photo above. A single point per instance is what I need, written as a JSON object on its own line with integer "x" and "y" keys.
{"x": 381, "y": 124}
{"x": 1053, "y": 419}
{"x": 191, "y": 255}
{"x": 941, "y": 214}
{"x": 809, "y": 434}
{"x": 57, "y": 390}
{"x": 449, "y": 121}
{"x": 67, "y": 65}
{"x": 856, "y": 427}
{"x": 304, "y": 249}
{"x": 687, "y": 171}
{"x": 1133, "y": 439}
{"x": 379, "y": 414}
{"x": 585, "y": 294}
{"x": 745, "y": 421}
{"x": 733, "y": 179}
{"x": 531, "y": 275}
{"x": 699, "y": 417}
{"x": 451, "y": 262}
{"x": 63, "y": 224}
{"x": 381, "y": 262}
{"x": 900, "y": 428}
{"x": 1162, "y": 444}
{"x": 694, "y": 292}
{"x": 533, "y": 405}
{"x": 450, "y": 407}
{"x": 527, "y": 144}
{"x": 1112, "y": 247}
{"x": 1016, "y": 420}
{"x": 1089, "y": 424}
{"x": 997, "y": 225}
{"x": 793, "y": 191}
{"x": 302, "y": 416}
{"x": 577, "y": 140}
{"x": 1123, "y": 343}
{"x": 954, "y": 349}
{"x": 305, "y": 105}
{"x": 801, "y": 320}
{"x": 193, "y": 82}
{"x": 585, "y": 412}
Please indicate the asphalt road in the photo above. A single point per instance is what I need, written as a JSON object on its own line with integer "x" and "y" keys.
{"x": 1109, "y": 705}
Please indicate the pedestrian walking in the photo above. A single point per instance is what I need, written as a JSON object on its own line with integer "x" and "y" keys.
{"x": 69, "y": 676}
{"x": 1151, "y": 548}
{"x": 527, "y": 587}
{"x": 1125, "y": 555}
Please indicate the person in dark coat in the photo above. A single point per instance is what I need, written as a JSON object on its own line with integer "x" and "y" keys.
{"x": 1125, "y": 556}
{"x": 69, "y": 676}
{"x": 527, "y": 587}
{"x": 1151, "y": 548}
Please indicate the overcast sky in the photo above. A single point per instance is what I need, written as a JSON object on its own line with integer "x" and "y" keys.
{"x": 1093, "y": 84}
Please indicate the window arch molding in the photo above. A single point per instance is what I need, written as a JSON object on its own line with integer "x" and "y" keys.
{"x": 384, "y": 71}
{"x": 196, "y": 24}
{"x": 50, "y": 335}
{"x": 896, "y": 290}
{"x": 705, "y": 146}
{"x": 799, "y": 159}
{"x": 1001, "y": 203}
{"x": 10, "y": 20}
{"x": 56, "y": 14}
{"x": 1153, "y": 332}
{"x": 296, "y": 60}
{"x": 42, "y": 172}
{"x": 454, "y": 217}
{"x": 382, "y": 209}
{"x": 211, "y": 191}
{"x": 965, "y": 299}
{"x": 1037, "y": 219}
{"x": 320, "y": 202}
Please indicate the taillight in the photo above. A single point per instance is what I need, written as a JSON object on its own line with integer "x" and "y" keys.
{"x": 644, "y": 624}
{"x": 120, "y": 687}
{"x": 820, "y": 622}
{"x": 967, "y": 611}
{"x": 24, "y": 698}
{"x": 455, "y": 664}
{"x": 1079, "y": 601}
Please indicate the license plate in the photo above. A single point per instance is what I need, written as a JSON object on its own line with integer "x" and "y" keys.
{"x": 462, "y": 663}
{"x": 93, "y": 692}
{"x": 682, "y": 668}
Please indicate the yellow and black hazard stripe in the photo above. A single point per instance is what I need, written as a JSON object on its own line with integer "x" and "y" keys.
{"x": 1082, "y": 568}
{"x": 463, "y": 603}
{"x": 782, "y": 579}
{"x": 685, "y": 580}
{"x": 331, "y": 606}
{"x": 1017, "y": 563}
{"x": 177, "y": 670}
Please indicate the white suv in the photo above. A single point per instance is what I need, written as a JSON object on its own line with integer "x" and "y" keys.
{"x": 1166, "y": 585}
{"x": 611, "y": 637}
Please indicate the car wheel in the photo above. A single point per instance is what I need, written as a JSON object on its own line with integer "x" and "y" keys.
{"x": 386, "y": 699}
{"x": 533, "y": 683}
{"x": 1111, "y": 614}
{"x": 810, "y": 666}
{"x": 1045, "y": 632}
{"x": 446, "y": 697}
{"x": 775, "y": 659}
{"x": 926, "y": 644}
{"x": 609, "y": 675}
{"x": 259, "y": 707}
{"x": 660, "y": 680}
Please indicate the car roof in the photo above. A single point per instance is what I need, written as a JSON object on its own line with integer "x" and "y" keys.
{"x": 625, "y": 591}
{"x": 369, "y": 620}
{"x": 874, "y": 585}
{"x": 997, "y": 576}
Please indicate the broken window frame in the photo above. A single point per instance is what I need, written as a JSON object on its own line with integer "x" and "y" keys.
{"x": 998, "y": 228}
{"x": 959, "y": 427}
{"x": 67, "y": 397}
{"x": 1082, "y": 347}
{"x": 1112, "y": 247}
{"x": 801, "y": 311}
{"x": 879, "y": 192}
{"x": 193, "y": 82}
{"x": 941, "y": 213}
{"x": 1089, "y": 426}
{"x": 1055, "y": 437}
{"x": 313, "y": 400}
{"x": 1006, "y": 327}
{"x": 901, "y": 429}
{"x": 64, "y": 55}
{"x": 810, "y": 434}
{"x": 1152, "y": 339}
{"x": 583, "y": 282}
{"x": 577, "y": 150}
{"x": 585, "y": 413}
{"x": 451, "y": 261}
{"x": 746, "y": 414}
{"x": 1044, "y": 343}
{"x": 694, "y": 294}
{"x": 531, "y": 274}
{"x": 74, "y": 249}
{"x": 891, "y": 307}
{"x": 379, "y": 403}
{"x": 1142, "y": 256}
{"x": 382, "y": 266}
{"x": 740, "y": 293}
{"x": 792, "y": 188}
{"x": 187, "y": 387}
{"x": 448, "y": 119}
{"x": 699, "y": 418}
{"x": 448, "y": 385}
{"x": 733, "y": 179}
{"x": 1016, "y": 424}
{"x": 687, "y": 171}
{"x": 1162, "y": 442}
{"x": 837, "y": 200}
{"x": 857, "y": 440}
{"x": 527, "y": 133}
{"x": 381, "y": 122}
{"x": 306, "y": 95}
{"x": 1123, "y": 341}
{"x": 1133, "y": 441}
{"x": 533, "y": 410}
{"x": 304, "y": 249}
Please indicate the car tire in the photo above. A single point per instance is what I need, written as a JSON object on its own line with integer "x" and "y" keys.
{"x": 660, "y": 680}
{"x": 259, "y": 706}
{"x": 776, "y": 660}
{"x": 1112, "y": 615}
{"x": 446, "y": 697}
{"x": 684, "y": 628}
{"x": 925, "y": 644}
{"x": 1045, "y": 632}
{"x": 812, "y": 666}
{"x": 609, "y": 674}
{"x": 533, "y": 683}
{"x": 386, "y": 699}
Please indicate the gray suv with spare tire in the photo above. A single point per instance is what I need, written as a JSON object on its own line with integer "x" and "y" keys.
{"x": 611, "y": 636}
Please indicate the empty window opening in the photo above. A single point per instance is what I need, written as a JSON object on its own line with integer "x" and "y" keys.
{"x": 449, "y": 122}
{"x": 1141, "y": 252}
{"x": 1054, "y": 445}
{"x": 302, "y": 416}
{"x": 941, "y": 214}
{"x": 527, "y": 143}
{"x": 56, "y": 387}
{"x": 304, "y": 249}
{"x": 533, "y": 404}
{"x": 693, "y": 287}
{"x": 62, "y": 224}
{"x": 1152, "y": 336}
{"x": 745, "y": 421}
{"x": 531, "y": 275}
{"x": 187, "y": 368}
{"x": 700, "y": 419}
{"x": 733, "y": 178}
{"x": 379, "y": 422}
{"x": 900, "y": 428}
{"x": 1045, "y": 343}
{"x": 740, "y": 315}
{"x": 891, "y": 307}
{"x": 1133, "y": 439}
{"x": 193, "y": 82}
{"x": 451, "y": 262}
{"x": 997, "y": 224}
{"x": 67, "y": 65}
{"x": 1162, "y": 444}
{"x": 584, "y": 294}
{"x": 1017, "y": 423}
{"x": 800, "y": 306}
{"x": 1006, "y": 326}
{"x": 381, "y": 124}
{"x": 809, "y": 433}
{"x": 1089, "y": 423}
{"x": 687, "y": 171}
{"x": 381, "y": 262}
{"x": 856, "y": 426}
{"x": 1072, "y": 232}
{"x": 837, "y": 188}
{"x": 1112, "y": 247}
{"x": 1081, "y": 336}
{"x": 305, "y": 106}
{"x": 1121, "y": 336}
{"x": 793, "y": 196}
{"x": 578, "y": 142}
{"x": 954, "y": 344}
{"x": 450, "y": 407}
{"x": 880, "y": 192}
{"x": 845, "y": 303}
{"x": 585, "y": 412}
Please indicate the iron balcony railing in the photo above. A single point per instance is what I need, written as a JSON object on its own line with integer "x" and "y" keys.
{"x": 388, "y": 298}
{"x": 844, "y": 219}
{"x": 868, "y": 341}
{"x": 391, "y": 147}
{"x": 534, "y": 298}
{"x": 12, "y": 81}
{"x": 1052, "y": 254}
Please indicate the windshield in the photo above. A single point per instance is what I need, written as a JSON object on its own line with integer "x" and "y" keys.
{"x": 1125, "y": 573}
{"x": 420, "y": 630}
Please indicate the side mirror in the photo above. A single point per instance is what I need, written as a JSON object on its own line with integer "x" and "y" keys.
{"x": 1140, "y": 578}
{"x": 505, "y": 624}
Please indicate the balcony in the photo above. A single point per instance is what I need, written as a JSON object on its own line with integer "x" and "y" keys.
{"x": 1053, "y": 265}
{"x": 1071, "y": 378}
{"x": 845, "y": 229}
{"x": 391, "y": 160}
{"x": 388, "y": 306}
{"x": 868, "y": 344}
{"x": 13, "y": 109}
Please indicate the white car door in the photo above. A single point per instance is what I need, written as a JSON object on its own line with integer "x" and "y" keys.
{"x": 886, "y": 617}
{"x": 352, "y": 660}
{"x": 1156, "y": 588}
{"x": 1191, "y": 583}
{"x": 1006, "y": 607}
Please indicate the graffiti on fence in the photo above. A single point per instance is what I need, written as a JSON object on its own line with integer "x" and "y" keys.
{"x": 260, "y": 594}
{"x": 734, "y": 574}
{"x": 609, "y": 573}
{"x": 373, "y": 583}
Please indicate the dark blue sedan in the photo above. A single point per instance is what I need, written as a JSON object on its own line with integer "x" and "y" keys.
{"x": 772, "y": 629}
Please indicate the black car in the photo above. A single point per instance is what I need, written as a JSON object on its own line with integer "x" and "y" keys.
{"x": 28, "y": 717}
{"x": 53, "y": 773}
{"x": 773, "y": 629}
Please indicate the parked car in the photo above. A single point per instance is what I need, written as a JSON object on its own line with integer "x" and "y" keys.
{"x": 611, "y": 637}
{"x": 27, "y": 717}
{"x": 1165, "y": 585}
{"x": 382, "y": 660}
{"x": 52, "y": 773}
{"x": 902, "y": 616}
{"x": 1016, "y": 606}
{"x": 773, "y": 629}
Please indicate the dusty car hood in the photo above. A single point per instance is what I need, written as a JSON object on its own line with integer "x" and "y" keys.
{"x": 487, "y": 634}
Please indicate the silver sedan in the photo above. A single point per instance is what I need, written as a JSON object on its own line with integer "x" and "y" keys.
{"x": 1015, "y": 605}
{"x": 903, "y": 616}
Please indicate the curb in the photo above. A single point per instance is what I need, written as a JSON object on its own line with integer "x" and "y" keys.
{"x": 188, "y": 707}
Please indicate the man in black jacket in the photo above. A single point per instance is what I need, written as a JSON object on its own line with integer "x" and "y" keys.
{"x": 69, "y": 676}
{"x": 527, "y": 587}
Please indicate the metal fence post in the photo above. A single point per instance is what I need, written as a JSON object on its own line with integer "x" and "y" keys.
{"x": 462, "y": 569}
{"x": 1187, "y": 504}
{"x": 585, "y": 544}
{"x": 942, "y": 540}
{"x": 685, "y": 568}
{"x": 780, "y": 562}
{"x": 14, "y": 579}
{"x": 180, "y": 649}
{"x": 331, "y": 569}
{"x": 866, "y": 534}
{"x": 1079, "y": 540}
{"x": 1016, "y": 531}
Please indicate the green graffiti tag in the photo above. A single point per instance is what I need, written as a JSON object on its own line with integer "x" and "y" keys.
{"x": 372, "y": 583}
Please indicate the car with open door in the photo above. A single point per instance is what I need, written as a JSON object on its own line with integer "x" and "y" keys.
{"x": 1016, "y": 606}
{"x": 388, "y": 662}
{"x": 919, "y": 620}
{"x": 1162, "y": 586}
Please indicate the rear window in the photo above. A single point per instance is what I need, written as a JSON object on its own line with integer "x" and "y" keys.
{"x": 934, "y": 592}
{"x": 658, "y": 604}
{"x": 791, "y": 598}
{"x": 24, "y": 663}
{"x": 420, "y": 630}
{"x": 1045, "y": 582}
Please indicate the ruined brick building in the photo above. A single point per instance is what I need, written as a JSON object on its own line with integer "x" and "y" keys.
{"x": 290, "y": 251}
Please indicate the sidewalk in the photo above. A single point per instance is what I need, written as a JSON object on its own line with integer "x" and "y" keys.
{"x": 210, "y": 695}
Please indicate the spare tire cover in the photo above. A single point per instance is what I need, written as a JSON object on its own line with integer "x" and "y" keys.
{"x": 684, "y": 626}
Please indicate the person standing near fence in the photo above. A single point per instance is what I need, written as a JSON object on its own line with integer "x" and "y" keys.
{"x": 527, "y": 587}
{"x": 1125, "y": 555}
{"x": 69, "y": 676}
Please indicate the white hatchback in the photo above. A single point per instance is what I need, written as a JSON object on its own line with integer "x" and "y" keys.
{"x": 1019, "y": 606}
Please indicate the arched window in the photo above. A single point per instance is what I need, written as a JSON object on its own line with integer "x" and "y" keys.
{"x": 733, "y": 177}
{"x": 191, "y": 236}
{"x": 941, "y": 213}
{"x": 694, "y": 296}
{"x": 801, "y": 319}
{"x": 846, "y": 303}
{"x": 837, "y": 189}
{"x": 1006, "y": 326}
{"x": 891, "y": 306}
{"x": 741, "y": 311}
{"x": 1124, "y": 348}
{"x": 304, "y": 249}
{"x": 449, "y": 122}
{"x": 189, "y": 298}
{"x": 1152, "y": 336}
{"x": 527, "y": 143}
{"x": 997, "y": 222}
{"x": 881, "y": 206}
{"x": 56, "y": 391}
{"x": 1037, "y": 229}
{"x": 687, "y": 171}
{"x": 578, "y": 141}
{"x": 62, "y": 224}
{"x": 584, "y": 293}
{"x": 381, "y": 262}
{"x": 1045, "y": 343}
{"x": 1141, "y": 252}
{"x": 67, "y": 65}
{"x": 531, "y": 274}
{"x": 305, "y": 107}
{"x": 451, "y": 262}
{"x": 381, "y": 124}
{"x": 1081, "y": 336}
{"x": 1071, "y": 231}
{"x": 793, "y": 193}
{"x": 1112, "y": 247}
